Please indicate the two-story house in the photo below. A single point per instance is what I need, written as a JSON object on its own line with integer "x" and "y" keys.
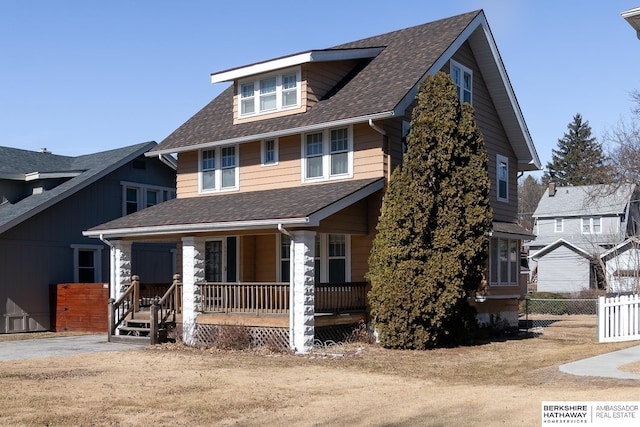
{"x": 282, "y": 176}
{"x": 47, "y": 200}
{"x": 574, "y": 227}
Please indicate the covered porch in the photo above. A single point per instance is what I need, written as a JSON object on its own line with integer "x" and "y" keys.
{"x": 290, "y": 260}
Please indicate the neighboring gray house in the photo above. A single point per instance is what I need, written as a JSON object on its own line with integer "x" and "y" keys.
{"x": 622, "y": 266}
{"x": 46, "y": 200}
{"x": 574, "y": 227}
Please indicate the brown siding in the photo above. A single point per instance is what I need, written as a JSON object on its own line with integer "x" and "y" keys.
{"x": 322, "y": 77}
{"x": 495, "y": 138}
{"x": 266, "y": 258}
{"x": 368, "y": 162}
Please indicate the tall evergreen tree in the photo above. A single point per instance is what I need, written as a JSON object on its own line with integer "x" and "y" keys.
{"x": 431, "y": 248}
{"x": 578, "y": 159}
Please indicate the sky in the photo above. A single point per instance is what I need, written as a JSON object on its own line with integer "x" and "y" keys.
{"x": 79, "y": 77}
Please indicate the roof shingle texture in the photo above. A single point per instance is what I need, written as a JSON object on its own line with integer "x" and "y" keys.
{"x": 378, "y": 88}
{"x": 585, "y": 200}
{"x": 283, "y": 203}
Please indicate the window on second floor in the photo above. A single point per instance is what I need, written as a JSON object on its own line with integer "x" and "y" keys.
{"x": 463, "y": 78}
{"x": 502, "y": 178}
{"x": 219, "y": 169}
{"x": 269, "y": 152}
{"x": 139, "y": 196}
{"x": 327, "y": 154}
{"x": 559, "y": 225}
{"x": 591, "y": 225}
{"x": 270, "y": 93}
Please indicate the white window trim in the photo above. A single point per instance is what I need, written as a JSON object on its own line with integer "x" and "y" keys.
{"x": 324, "y": 258}
{"x": 555, "y": 225}
{"x": 589, "y": 221}
{"x": 463, "y": 69}
{"x": 97, "y": 261}
{"x": 326, "y": 156}
{"x": 256, "y": 90}
{"x": 218, "y": 170}
{"x": 263, "y": 152}
{"x": 499, "y": 159}
{"x": 515, "y": 264}
{"x": 142, "y": 194}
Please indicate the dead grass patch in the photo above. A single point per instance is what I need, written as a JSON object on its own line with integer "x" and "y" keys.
{"x": 494, "y": 383}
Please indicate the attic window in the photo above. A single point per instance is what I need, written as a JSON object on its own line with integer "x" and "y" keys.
{"x": 269, "y": 93}
{"x": 463, "y": 78}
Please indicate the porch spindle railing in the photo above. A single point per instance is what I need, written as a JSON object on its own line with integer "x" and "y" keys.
{"x": 341, "y": 297}
{"x": 164, "y": 310}
{"x": 256, "y": 298}
{"x": 127, "y": 304}
{"x": 273, "y": 298}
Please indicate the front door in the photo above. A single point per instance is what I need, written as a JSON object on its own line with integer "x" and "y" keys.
{"x": 221, "y": 260}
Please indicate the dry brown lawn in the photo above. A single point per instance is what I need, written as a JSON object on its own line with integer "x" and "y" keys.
{"x": 501, "y": 383}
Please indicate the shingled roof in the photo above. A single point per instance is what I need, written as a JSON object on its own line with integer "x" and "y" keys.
{"x": 302, "y": 206}
{"x": 382, "y": 89}
{"x": 82, "y": 170}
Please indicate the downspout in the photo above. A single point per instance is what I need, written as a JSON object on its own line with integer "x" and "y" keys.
{"x": 385, "y": 145}
{"x": 282, "y": 230}
{"x": 112, "y": 257}
{"x": 166, "y": 162}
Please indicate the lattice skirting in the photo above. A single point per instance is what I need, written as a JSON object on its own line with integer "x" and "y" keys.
{"x": 232, "y": 336}
{"x": 336, "y": 333}
{"x": 239, "y": 337}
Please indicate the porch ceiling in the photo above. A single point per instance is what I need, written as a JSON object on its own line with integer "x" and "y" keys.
{"x": 303, "y": 206}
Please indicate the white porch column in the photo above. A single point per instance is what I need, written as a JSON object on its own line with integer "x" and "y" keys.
{"x": 192, "y": 272}
{"x": 120, "y": 267}
{"x": 301, "y": 327}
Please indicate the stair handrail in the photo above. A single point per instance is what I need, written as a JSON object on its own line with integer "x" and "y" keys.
{"x": 162, "y": 309}
{"x": 127, "y": 304}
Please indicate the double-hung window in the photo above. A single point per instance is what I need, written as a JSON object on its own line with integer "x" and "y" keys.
{"x": 559, "y": 225}
{"x": 502, "y": 178}
{"x": 219, "y": 169}
{"x": 327, "y": 154}
{"x": 463, "y": 79}
{"x": 269, "y": 155}
{"x": 331, "y": 258}
{"x": 139, "y": 196}
{"x": 591, "y": 225}
{"x": 87, "y": 263}
{"x": 269, "y": 93}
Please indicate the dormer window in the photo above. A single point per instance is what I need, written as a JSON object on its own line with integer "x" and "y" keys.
{"x": 270, "y": 93}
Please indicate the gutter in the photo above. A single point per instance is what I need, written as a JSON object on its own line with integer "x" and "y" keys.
{"x": 274, "y": 134}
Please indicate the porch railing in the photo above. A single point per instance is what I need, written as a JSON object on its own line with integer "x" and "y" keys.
{"x": 127, "y": 304}
{"x": 273, "y": 298}
{"x": 255, "y": 298}
{"x": 165, "y": 309}
{"x": 341, "y": 297}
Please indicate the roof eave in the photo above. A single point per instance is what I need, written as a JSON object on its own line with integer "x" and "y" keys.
{"x": 496, "y": 76}
{"x": 632, "y": 16}
{"x": 274, "y": 134}
{"x": 323, "y": 55}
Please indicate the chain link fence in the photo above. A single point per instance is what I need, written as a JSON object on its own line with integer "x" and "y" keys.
{"x": 540, "y": 313}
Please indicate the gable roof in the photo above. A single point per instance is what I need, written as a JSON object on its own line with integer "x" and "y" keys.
{"x": 633, "y": 18}
{"x": 621, "y": 247}
{"x": 585, "y": 200}
{"x": 84, "y": 170}
{"x": 305, "y": 206}
{"x": 384, "y": 88}
{"x": 560, "y": 242}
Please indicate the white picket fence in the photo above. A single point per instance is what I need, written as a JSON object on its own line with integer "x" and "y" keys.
{"x": 619, "y": 318}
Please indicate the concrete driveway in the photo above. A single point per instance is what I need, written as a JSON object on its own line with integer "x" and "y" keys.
{"x": 60, "y": 346}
